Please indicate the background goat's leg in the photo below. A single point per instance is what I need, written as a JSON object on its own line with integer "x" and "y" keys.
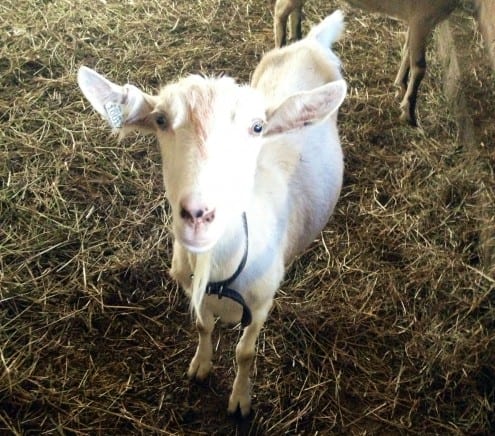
{"x": 403, "y": 73}
{"x": 295, "y": 21}
{"x": 280, "y": 18}
{"x": 418, "y": 35}
{"x": 201, "y": 362}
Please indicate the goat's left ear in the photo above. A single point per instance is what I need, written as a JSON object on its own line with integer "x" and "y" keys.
{"x": 122, "y": 106}
{"x": 306, "y": 108}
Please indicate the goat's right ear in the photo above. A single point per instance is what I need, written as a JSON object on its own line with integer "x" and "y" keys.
{"x": 306, "y": 108}
{"x": 124, "y": 107}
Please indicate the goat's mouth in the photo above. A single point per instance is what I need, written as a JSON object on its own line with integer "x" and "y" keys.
{"x": 197, "y": 246}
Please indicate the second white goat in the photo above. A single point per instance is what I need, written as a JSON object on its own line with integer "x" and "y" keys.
{"x": 252, "y": 174}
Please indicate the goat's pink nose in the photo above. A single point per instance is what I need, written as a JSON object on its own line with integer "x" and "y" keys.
{"x": 195, "y": 212}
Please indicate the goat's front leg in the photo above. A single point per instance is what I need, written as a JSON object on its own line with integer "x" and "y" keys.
{"x": 280, "y": 17}
{"x": 403, "y": 73}
{"x": 295, "y": 21}
{"x": 200, "y": 364}
{"x": 245, "y": 352}
{"x": 418, "y": 35}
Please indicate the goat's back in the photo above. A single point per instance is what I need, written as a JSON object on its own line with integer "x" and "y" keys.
{"x": 305, "y": 165}
{"x": 301, "y": 66}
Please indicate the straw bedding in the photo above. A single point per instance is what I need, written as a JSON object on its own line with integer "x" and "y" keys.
{"x": 385, "y": 326}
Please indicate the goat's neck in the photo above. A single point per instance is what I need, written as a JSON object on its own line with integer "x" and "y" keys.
{"x": 216, "y": 265}
{"x": 228, "y": 252}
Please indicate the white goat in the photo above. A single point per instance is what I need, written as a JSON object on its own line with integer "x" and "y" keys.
{"x": 264, "y": 158}
{"x": 421, "y": 17}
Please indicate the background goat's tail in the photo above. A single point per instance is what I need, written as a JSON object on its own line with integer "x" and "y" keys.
{"x": 329, "y": 30}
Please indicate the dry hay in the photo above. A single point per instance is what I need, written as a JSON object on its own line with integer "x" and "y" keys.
{"x": 385, "y": 326}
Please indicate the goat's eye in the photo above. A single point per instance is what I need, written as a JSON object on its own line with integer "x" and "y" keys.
{"x": 161, "y": 121}
{"x": 256, "y": 127}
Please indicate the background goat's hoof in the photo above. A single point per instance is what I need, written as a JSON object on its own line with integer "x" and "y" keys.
{"x": 406, "y": 117}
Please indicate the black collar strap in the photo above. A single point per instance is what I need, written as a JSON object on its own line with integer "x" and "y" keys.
{"x": 222, "y": 288}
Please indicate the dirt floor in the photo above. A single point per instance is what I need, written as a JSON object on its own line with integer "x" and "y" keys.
{"x": 385, "y": 326}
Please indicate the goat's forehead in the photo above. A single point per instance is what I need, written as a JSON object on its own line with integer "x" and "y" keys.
{"x": 198, "y": 99}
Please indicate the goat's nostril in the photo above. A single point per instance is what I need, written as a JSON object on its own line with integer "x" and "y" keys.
{"x": 192, "y": 215}
{"x": 209, "y": 216}
{"x": 185, "y": 214}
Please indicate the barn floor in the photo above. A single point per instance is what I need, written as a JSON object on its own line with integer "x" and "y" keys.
{"x": 385, "y": 326}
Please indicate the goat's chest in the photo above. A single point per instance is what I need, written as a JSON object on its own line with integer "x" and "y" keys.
{"x": 227, "y": 310}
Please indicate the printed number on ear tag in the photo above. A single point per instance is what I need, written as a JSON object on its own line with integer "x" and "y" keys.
{"x": 115, "y": 115}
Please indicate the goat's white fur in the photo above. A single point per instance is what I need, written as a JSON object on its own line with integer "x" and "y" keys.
{"x": 421, "y": 17}
{"x": 287, "y": 180}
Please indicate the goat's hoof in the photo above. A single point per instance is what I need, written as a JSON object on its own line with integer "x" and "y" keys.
{"x": 239, "y": 417}
{"x": 408, "y": 113}
{"x": 409, "y": 119}
{"x": 239, "y": 406}
{"x": 198, "y": 370}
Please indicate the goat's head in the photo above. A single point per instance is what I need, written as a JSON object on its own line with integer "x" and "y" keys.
{"x": 210, "y": 133}
{"x": 210, "y": 136}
